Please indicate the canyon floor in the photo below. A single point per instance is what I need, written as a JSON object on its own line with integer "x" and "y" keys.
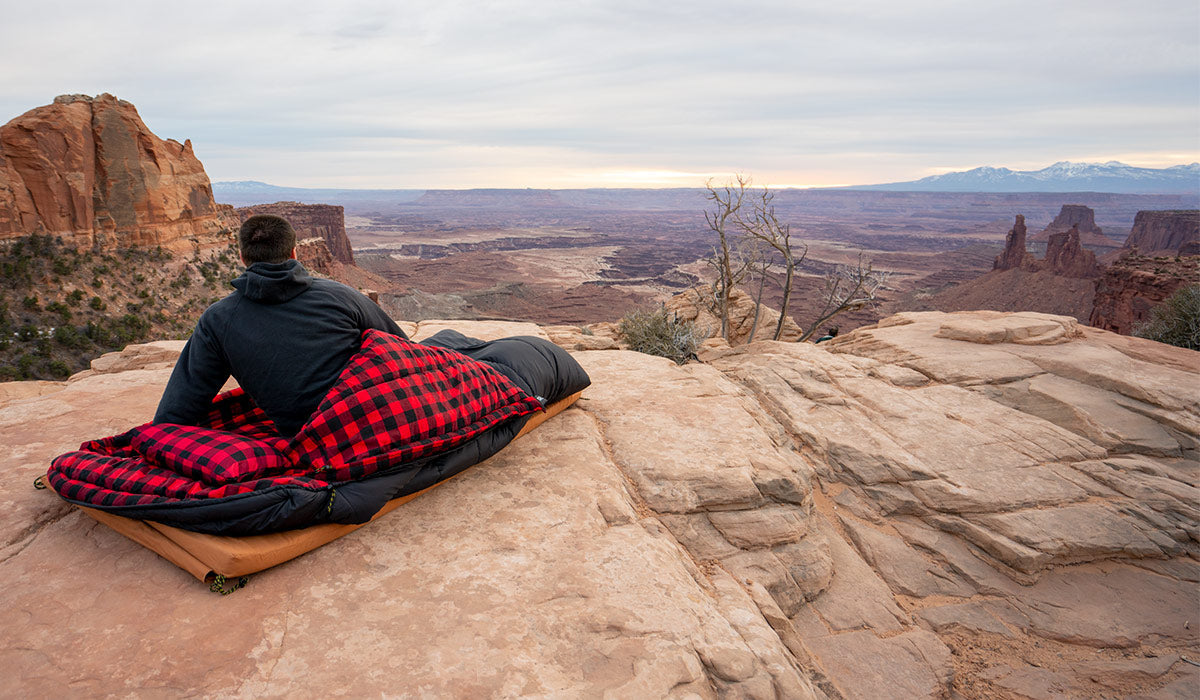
{"x": 970, "y": 505}
{"x": 585, "y": 256}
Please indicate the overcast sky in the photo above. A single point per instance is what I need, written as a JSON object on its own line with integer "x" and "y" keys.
{"x": 615, "y": 93}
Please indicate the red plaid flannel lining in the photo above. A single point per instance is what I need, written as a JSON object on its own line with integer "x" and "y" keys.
{"x": 395, "y": 402}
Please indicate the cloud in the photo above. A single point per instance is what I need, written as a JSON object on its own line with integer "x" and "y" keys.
{"x": 532, "y": 94}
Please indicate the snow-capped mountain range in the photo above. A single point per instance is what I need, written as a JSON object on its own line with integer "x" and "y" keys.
{"x": 1063, "y": 176}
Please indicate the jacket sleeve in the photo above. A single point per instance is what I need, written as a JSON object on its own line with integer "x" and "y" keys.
{"x": 198, "y": 375}
{"x": 374, "y": 317}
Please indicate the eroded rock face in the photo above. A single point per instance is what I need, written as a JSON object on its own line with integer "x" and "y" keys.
{"x": 1133, "y": 285}
{"x": 1164, "y": 232}
{"x": 90, "y": 171}
{"x": 1015, "y": 255}
{"x": 1065, "y": 254}
{"x": 325, "y": 221}
{"x": 971, "y": 504}
{"x": 1015, "y": 483}
{"x": 314, "y": 254}
{"x": 1082, "y": 219}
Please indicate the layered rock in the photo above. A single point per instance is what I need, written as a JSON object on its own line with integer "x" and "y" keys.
{"x": 89, "y": 171}
{"x": 314, "y": 254}
{"x": 1015, "y": 255}
{"x": 941, "y": 505}
{"x": 325, "y": 221}
{"x": 1065, "y": 254}
{"x": 1134, "y": 284}
{"x": 1081, "y": 218}
{"x": 1163, "y": 232}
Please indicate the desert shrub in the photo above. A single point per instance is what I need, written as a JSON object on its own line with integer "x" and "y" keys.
{"x": 57, "y": 307}
{"x": 30, "y": 303}
{"x": 58, "y": 369}
{"x": 660, "y": 333}
{"x": 1176, "y": 321}
{"x": 97, "y": 304}
{"x": 75, "y": 297}
{"x": 130, "y": 327}
{"x": 63, "y": 266}
{"x": 69, "y": 336}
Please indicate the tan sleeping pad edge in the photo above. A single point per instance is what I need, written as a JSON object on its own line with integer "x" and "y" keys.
{"x": 206, "y": 556}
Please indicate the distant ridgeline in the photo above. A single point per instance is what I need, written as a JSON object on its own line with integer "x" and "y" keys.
{"x": 1063, "y": 176}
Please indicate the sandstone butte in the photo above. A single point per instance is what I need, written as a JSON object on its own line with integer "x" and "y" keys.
{"x": 89, "y": 171}
{"x": 967, "y": 505}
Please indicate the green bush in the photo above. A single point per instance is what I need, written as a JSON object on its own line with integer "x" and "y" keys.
{"x": 64, "y": 314}
{"x": 1176, "y": 321}
{"x": 660, "y": 333}
{"x": 97, "y": 304}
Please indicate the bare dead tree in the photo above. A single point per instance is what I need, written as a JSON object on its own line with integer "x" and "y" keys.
{"x": 730, "y": 265}
{"x": 848, "y": 288}
{"x": 761, "y": 225}
{"x": 752, "y": 241}
{"x": 760, "y": 267}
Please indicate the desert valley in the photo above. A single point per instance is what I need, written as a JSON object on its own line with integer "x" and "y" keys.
{"x": 983, "y": 487}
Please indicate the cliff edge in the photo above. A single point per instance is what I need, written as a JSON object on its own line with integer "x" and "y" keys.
{"x": 973, "y": 504}
{"x": 88, "y": 170}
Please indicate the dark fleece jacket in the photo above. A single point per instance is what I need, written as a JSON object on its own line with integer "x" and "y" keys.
{"x": 283, "y": 335}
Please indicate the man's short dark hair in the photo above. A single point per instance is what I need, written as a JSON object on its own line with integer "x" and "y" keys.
{"x": 266, "y": 238}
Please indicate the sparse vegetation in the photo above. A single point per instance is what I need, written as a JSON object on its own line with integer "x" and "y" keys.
{"x": 661, "y": 333}
{"x": 60, "y": 307}
{"x": 753, "y": 243}
{"x": 1176, "y": 321}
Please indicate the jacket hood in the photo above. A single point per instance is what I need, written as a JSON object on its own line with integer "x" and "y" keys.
{"x": 273, "y": 283}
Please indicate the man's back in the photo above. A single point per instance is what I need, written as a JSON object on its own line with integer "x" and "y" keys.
{"x": 283, "y": 335}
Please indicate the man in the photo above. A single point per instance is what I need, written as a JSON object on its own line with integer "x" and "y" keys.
{"x": 283, "y": 335}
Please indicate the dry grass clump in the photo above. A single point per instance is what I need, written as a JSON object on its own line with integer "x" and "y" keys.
{"x": 660, "y": 333}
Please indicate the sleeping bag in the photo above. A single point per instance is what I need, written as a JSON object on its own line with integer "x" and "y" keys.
{"x": 402, "y": 417}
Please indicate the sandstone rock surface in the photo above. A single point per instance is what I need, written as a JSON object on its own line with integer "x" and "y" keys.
{"x": 90, "y": 171}
{"x": 941, "y": 505}
{"x": 693, "y": 305}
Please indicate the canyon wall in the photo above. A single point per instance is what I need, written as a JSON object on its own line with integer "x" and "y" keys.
{"x": 88, "y": 170}
{"x": 1135, "y": 284}
{"x": 1164, "y": 232}
{"x": 324, "y": 221}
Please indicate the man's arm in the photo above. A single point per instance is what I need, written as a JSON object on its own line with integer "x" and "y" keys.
{"x": 198, "y": 375}
{"x": 374, "y": 317}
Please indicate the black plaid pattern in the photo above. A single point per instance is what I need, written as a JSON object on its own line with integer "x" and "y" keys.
{"x": 396, "y": 401}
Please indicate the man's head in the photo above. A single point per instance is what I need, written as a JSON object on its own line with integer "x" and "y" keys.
{"x": 266, "y": 238}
